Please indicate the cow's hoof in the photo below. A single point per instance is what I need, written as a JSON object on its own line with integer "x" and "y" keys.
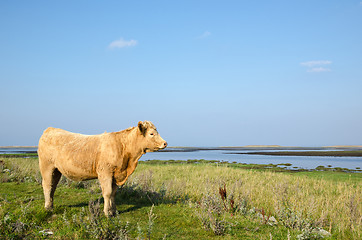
{"x": 49, "y": 208}
{"x": 109, "y": 214}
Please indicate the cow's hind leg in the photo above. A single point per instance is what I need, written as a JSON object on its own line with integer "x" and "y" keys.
{"x": 50, "y": 181}
{"x": 113, "y": 195}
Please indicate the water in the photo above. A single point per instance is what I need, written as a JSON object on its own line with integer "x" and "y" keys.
{"x": 306, "y": 162}
{"x": 227, "y": 155}
{"x": 12, "y": 150}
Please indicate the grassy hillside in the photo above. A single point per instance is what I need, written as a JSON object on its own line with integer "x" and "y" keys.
{"x": 187, "y": 201}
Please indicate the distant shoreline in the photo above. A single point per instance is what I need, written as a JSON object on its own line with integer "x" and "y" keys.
{"x": 343, "y": 153}
{"x": 18, "y": 146}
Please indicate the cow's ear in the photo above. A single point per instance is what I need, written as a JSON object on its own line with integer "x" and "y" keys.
{"x": 142, "y": 127}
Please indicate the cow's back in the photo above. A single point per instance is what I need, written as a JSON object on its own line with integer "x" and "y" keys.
{"x": 74, "y": 155}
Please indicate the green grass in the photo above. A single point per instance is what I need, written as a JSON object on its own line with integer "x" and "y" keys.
{"x": 183, "y": 201}
{"x": 171, "y": 220}
{"x": 19, "y": 155}
{"x": 352, "y": 178}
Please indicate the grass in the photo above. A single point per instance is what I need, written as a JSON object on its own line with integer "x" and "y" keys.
{"x": 188, "y": 201}
{"x": 20, "y": 155}
{"x": 331, "y": 176}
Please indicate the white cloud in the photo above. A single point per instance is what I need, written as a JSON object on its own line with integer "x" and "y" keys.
{"x": 121, "y": 43}
{"x": 319, "y": 69}
{"x": 315, "y": 63}
{"x": 317, "y": 66}
{"x": 204, "y": 35}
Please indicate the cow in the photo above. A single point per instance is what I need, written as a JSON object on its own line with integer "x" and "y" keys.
{"x": 110, "y": 157}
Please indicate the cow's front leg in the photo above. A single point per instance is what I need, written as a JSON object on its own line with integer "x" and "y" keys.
{"x": 107, "y": 190}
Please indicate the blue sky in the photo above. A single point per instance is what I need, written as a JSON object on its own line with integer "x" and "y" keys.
{"x": 207, "y": 73}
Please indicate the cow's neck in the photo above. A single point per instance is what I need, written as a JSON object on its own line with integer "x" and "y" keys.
{"x": 132, "y": 149}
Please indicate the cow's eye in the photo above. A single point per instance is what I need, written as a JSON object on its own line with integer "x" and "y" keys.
{"x": 151, "y": 134}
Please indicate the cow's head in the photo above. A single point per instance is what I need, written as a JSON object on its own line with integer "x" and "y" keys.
{"x": 151, "y": 140}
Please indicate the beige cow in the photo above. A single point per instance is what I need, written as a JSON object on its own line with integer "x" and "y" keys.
{"x": 110, "y": 157}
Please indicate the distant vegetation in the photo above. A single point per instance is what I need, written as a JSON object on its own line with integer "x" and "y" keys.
{"x": 19, "y": 155}
{"x": 194, "y": 200}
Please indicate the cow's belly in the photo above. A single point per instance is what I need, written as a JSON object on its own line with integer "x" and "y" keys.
{"x": 76, "y": 173}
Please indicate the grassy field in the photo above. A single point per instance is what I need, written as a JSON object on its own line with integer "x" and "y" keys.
{"x": 185, "y": 201}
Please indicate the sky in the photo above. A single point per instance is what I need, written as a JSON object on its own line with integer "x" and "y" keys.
{"x": 206, "y": 73}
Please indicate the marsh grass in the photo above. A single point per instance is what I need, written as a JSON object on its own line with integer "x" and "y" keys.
{"x": 189, "y": 200}
{"x": 303, "y": 201}
{"x": 20, "y": 170}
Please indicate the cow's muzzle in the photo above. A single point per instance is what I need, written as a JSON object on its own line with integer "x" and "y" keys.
{"x": 164, "y": 145}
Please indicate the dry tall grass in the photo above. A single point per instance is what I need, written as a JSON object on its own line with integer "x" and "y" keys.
{"x": 333, "y": 205}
